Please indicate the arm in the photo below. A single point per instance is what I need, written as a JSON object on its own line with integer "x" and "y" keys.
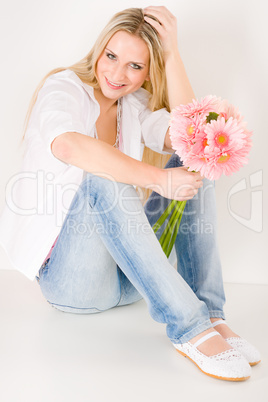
{"x": 179, "y": 87}
{"x": 102, "y": 159}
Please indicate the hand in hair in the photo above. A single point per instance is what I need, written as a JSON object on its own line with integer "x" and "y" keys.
{"x": 165, "y": 23}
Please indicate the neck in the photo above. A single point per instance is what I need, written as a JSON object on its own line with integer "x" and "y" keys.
{"x": 105, "y": 103}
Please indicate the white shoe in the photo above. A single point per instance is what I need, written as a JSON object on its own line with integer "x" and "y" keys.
{"x": 244, "y": 347}
{"x": 229, "y": 365}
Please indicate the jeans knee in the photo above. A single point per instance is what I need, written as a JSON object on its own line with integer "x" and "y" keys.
{"x": 106, "y": 189}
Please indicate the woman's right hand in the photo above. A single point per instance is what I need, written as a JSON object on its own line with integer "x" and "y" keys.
{"x": 178, "y": 183}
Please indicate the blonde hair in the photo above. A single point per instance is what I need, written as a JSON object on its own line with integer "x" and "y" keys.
{"x": 132, "y": 21}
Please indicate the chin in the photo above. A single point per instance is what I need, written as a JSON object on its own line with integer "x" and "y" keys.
{"x": 113, "y": 94}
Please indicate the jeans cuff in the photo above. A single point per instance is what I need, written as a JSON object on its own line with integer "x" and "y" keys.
{"x": 195, "y": 331}
{"x": 216, "y": 314}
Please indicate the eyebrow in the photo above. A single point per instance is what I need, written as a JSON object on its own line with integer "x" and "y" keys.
{"x": 134, "y": 62}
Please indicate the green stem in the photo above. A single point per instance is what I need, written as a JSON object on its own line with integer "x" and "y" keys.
{"x": 165, "y": 237}
{"x": 167, "y": 233}
{"x": 175, "y": 231}
{"x": 176, "y": 216}
{"x": 164, "y": 216}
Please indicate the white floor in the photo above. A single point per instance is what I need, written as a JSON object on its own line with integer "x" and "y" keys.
{"x": 121, "y": 355}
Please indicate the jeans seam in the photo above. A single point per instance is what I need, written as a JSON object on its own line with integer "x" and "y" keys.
{"x": 191, "y": 263}
{"x": 77, "y": 308}
{"x": 120, "y": 287}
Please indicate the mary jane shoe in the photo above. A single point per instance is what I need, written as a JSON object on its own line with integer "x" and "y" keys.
{"x": 249, "y": 351}
{"x": 229, "y": 365}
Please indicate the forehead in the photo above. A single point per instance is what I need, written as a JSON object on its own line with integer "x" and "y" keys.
{"x": 128, "y": 46}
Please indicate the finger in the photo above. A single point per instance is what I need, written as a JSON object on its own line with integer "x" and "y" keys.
{"x": 158, "y": 27}
{"x": 160, "y": 20}
{"x": 185, "y": 198}
{"x": 159, "y": 10}
{"x": 183, "y": 168}
{"x": 186, "y": 191}
{"x": 163, "y": 18}
{"x": 198, "y": 176}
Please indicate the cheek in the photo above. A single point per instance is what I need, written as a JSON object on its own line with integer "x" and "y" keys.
{"x": 102, "y": 65}
{"x": 138, "y": 78}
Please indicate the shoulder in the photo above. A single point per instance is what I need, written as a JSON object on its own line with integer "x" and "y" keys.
{"x": 66, "y": 81}
{"x": 64, "y": 76}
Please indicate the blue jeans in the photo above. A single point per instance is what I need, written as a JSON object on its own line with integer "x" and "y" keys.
{"x": 107, "y": 255}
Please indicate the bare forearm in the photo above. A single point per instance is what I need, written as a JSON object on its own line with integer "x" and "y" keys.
{"x": 100, "y": 158}
{"x": 165, "y": 23}
{"x": 179, "y": 87}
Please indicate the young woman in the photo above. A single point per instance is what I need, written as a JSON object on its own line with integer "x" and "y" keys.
{"x": 74, "y": 210}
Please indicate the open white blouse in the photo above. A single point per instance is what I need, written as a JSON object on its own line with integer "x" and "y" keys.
{"x": 39, "y": 195}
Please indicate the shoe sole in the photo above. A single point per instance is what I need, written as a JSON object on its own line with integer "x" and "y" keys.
{"x": 254, "y": 364}
{"x": 213, "y": 375}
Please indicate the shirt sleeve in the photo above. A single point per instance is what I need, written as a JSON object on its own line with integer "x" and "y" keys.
{"x": 60, "y": 108}
{"x": 154, "y": 125}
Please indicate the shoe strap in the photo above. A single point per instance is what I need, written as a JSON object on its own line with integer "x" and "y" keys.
{"x": 205, "y": 338}
{"x": 218, "y": 322}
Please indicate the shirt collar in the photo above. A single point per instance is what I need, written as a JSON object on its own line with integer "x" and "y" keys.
{"x": 89, "y": 89}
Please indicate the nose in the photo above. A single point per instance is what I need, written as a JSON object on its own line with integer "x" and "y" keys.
{"x": 118, "y": 75}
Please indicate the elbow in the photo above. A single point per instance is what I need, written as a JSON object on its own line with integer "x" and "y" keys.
{"x": 62, "y": 147}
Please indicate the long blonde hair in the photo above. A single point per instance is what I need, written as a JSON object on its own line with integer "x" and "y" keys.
{"x": 132, "y": 21}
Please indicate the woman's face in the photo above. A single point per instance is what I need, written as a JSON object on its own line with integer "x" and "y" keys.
{"x": 123, "y": 66}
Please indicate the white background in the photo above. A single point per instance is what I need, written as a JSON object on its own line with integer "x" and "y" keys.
{"x": 224, "y": 48}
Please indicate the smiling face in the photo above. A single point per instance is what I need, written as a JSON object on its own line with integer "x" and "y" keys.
{"x": 123, "y": 66}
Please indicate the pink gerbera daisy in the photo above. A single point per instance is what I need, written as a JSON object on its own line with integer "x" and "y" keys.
{"x": 219, "y": 149}
{"x": 248, "y": 143}
{"x": 223, "y": 135}
{"x": 183, "y": 131}
{"x": 204, "y": 107}
{"x": 210, "y": 136}
{"x": 227, "y": 110}
{"x": 196, "y": 159}
{"x": 224, "y": 162}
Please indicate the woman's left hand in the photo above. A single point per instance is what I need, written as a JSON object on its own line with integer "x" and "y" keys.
{"x": 166, "y": 28}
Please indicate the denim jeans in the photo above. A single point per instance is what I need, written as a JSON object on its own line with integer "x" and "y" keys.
{"x": 107, "y": 255}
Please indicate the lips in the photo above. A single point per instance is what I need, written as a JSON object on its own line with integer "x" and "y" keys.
{"x": 113, "y": 85}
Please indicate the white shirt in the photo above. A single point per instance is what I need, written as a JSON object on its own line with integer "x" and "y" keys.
{"x": 40, "y": 194}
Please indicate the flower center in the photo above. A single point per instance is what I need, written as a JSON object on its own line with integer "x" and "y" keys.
{"x": 205, "y": 142}
{"x": 222, "y": 139}
{"x": 223, "y": 158}
{"x": 190, "y": 130}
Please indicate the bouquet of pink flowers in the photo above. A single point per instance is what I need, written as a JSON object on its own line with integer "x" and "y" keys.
{"x": 210, "y": 137}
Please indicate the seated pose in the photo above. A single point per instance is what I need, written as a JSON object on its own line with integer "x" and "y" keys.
{"x": 75, "y": 220}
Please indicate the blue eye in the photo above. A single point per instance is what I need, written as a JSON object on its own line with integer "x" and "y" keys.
{"x": 110, "y": 56}
{"x": 135, "y": 66}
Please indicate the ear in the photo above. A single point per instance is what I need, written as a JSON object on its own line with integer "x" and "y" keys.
{"x": 147, "y": 78}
